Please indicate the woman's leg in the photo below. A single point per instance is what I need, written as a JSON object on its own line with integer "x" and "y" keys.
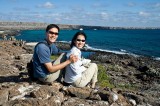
{"x": 94, "y": 78}
{"x": 89, "y": 75}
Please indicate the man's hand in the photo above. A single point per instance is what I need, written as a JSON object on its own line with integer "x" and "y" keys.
{"x": 73, "y": 58}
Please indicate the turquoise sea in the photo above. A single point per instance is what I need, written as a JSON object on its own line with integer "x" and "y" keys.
{"x": 144, "y": 42}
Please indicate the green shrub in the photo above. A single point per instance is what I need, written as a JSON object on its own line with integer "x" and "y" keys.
{"x": 103, "y": 78}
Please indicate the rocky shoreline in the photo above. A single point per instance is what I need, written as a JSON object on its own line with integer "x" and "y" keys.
{"x": 135, "y": 81}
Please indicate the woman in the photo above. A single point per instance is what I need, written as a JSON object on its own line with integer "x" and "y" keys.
{"x": 82, "y": 72}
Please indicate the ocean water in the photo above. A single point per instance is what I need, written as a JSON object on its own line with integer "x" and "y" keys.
{"x": 136, "y": 42}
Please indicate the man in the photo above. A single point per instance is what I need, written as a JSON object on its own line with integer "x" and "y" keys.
{"x": 44, "y": 69}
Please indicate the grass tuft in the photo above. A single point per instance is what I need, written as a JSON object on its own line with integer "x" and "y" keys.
{"x": 103, "y": 78}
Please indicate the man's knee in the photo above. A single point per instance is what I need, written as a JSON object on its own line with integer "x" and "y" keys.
{"x": 63, "y": 57}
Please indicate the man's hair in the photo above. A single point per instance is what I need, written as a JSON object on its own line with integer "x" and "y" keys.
{"x": 52, "y": 26}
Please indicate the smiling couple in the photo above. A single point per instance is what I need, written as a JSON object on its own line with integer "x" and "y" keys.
{"x": 78, "y": 72}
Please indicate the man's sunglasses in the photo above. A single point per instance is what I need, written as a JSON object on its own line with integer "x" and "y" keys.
{"x": 80, "y": 40}
{"x": 50, "y": 32}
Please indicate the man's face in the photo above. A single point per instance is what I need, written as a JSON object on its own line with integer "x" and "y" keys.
{"x": 52, "y": 35}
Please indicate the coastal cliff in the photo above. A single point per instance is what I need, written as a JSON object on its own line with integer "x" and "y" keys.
{"x": 34, "y": 25}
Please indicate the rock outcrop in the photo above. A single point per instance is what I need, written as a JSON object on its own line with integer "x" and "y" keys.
{"x": 141, "y": 75}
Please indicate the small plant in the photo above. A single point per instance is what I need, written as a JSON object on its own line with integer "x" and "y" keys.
{"x": 115, "y": 68}
{"x": 103, "y": 78}
{"x": 127, "y": 86}
{"x": 54, "y": 57}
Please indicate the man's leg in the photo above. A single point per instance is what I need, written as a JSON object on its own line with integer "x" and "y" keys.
{"x": 54, "y": 76}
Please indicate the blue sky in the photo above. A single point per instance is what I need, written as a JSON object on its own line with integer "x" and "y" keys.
{"x": 115, "y": 13}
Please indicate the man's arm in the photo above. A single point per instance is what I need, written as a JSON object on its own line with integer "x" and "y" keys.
{"x": 53, "y": 68}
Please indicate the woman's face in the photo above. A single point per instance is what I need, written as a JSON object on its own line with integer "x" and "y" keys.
{"x": 52, "y": 35}
{"x": 80, "y": 41}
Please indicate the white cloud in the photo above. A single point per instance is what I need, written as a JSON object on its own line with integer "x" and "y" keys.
{"x": 153, "y": 7}
{"x": 131, "y": 4}
{"x": 39, "y": 16}
{"x": 144, "y": 14}
{"x": 47, "y": 5}
{"x": 57, "y": 19}
{"x": 157, "y": 5}
{"x": 104, "y": 15}
{"x": 99, "y": 5}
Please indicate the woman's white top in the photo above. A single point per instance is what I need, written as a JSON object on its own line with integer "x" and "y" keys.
{"x": 74, "y": 70}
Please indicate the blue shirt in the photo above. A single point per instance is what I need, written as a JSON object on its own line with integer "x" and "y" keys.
{"x": 42, "y": 54}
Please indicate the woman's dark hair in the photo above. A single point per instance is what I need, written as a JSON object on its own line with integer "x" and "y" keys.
{"x": 75, "y": 37}
{"x": 52, "y": 26}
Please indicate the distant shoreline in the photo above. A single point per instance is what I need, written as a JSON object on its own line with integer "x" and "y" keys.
{"x": 37, "y": 26}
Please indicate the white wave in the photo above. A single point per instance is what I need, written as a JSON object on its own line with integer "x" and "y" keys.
{"x": 87, "y": 47}
{"x": 64, "y": 41}
{"x": 31, "y": 43}
{"x": 123, "y": 50}
{"x": 157, "y": 58}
